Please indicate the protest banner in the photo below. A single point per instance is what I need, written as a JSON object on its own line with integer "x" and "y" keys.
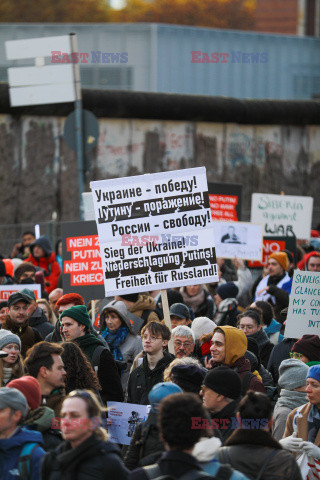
{"x": 7, "y": 290}
{"x": 304, "y": 307}
{"x": 155, "y": 231}
{"x": 282, "y": 215}
{"x": 238, "y": 240}
{"x": 225, "y": 201}
{"x": 271, "y": 245}
{"x": 82, "y": 270}
{"x": 123, "y": 419}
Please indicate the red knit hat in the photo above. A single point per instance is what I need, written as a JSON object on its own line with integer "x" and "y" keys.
{"x": 30, "y": 388}
{"x": 70, "y": 298}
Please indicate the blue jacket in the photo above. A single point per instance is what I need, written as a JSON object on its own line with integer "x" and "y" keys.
{"x": 10, "y": 449}
{"x": 273, "y": 328}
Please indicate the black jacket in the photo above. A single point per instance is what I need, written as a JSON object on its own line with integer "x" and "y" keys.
{"x": 225, "y": 420}
{"x": 172, "y": 463}
{"x": 145, "y": 447}
{"x": 279, "y": 353}
{"x": 247, "y": 450}
{"x": 39, "y": 321}
{"x": 142, "y": 379}
{"x": 92, "y": 459}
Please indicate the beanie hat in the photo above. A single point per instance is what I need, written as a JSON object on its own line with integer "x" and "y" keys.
{"x": 224, "y": 381}
{"x": 29, "y": 293}
{"x": 7, "y": 337}
{"x": 24, "y": 267}
{"x": 30, "y": 388}
{"x": 79, "y": 313}
{"x": 70, "y": 298}
{"x": 188, "y": 377}
{"x": 314, "y": 372}
{"x": 11, "y": 397}
{"x": 202, "y": 326}
{"x": 160, "y": 391}
{"x": 131, "y": 297}
{"x": 228, "y": 290}
{"x": 309, "y": 346}
{"x": 292, "y": 374}
{"x": 281, "y": 258}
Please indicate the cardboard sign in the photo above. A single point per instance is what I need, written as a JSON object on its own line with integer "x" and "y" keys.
{"x": 241, "y": 240}
{"x": 124, "y": 417}
{"x": 271, "y": 245}
{"x": 225, "y": 201}
{"x": 82, "y": 269}
{"x": 7, "y": 290}
{"x": 282, "y": 215}
{"x": 304, "y": 306}
{"x": 155, "y": 231}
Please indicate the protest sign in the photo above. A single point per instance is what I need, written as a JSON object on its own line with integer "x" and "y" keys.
{"x": 304, "y": 307}
{"x": 241, "y": 240}
{"x": 271, "y": 245}
{"x": 124, "y": 418}
{"x": 7, "y": 290}
{"x": 282, "y": 215}
{"x": 82, "y": 269}
{"x": 225, "y": 201}
{"x": 155, "y": 231}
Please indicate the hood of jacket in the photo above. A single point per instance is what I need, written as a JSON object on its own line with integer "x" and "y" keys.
{"x": 236, "y": 343}
{"x": 44, "y": 243}
{"x": 21, "y": 437}
{"x": 40, "y": 419}
{"x": 38, "y": 317}
{"x": 120, "y": 309}
{"x": 144, "y": 302}
{"x": 206, "y": 449}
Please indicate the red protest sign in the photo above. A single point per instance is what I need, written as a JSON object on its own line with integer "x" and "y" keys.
{"x": 223, "y": 207}
{"x": 269, "y": 246}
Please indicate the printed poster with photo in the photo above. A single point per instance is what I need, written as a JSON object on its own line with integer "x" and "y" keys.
{"x": 238, "y": 240}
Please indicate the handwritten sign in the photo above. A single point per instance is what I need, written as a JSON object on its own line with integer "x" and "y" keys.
{"x": 282, "y": 215}
{"x": 304, "y": 307}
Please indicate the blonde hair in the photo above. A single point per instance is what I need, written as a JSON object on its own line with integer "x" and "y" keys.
{"x": 17, "y": 369}
{"x": 180, "y": 361}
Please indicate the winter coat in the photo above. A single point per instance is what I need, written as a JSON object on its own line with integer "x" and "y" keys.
{"x": 145, "y": 446}
{"x": 92, "y": 459}
{"x": 266, "y": 376}
{"x": 287, "y": 401}
{"x": 142, "y": 379}
{"x": 205, "y": 452}
{"x": 145, "y": 302}
{"x": 10, "y": 449}
{"x": 42, "y": 420}
{"x": 302, "y": 424}
{"x": 242, "y": 366}
{"x": 279, "y": 353}
{"x": 173, "y": 463}
{"x": 29, "y": 336}
{"x": 273, "y": 332}
{"x": 54, "y": 400}
{"x": 106, "y": 369}
{"x": 48, "y": 263}
{"x": 247, "y": 450}
{"x": 207, "y": 307}
{"x": 39, "y": 321}
{"x": 226, "y": 419}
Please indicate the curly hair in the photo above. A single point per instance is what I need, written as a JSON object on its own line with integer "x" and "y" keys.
{"x": 80, "y": 374}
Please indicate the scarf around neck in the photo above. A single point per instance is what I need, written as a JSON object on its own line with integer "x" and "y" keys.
{"x": 195, "y": 301}
{"x": 291, "y": 399}
{"x": 115, "y": 339}
{"x": 88, "y": 343}
{"x": 261, "y": 337}
{"x": 225, "y": 306}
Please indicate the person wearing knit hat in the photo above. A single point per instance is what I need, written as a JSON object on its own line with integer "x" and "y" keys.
{"x": 202, "y": 326}
{"x": 228, "y": 347}
{"x": 188, "y": 377}
{"x": 11, "y": 366}
{"x": 77, "y": 327}
{"x": 227, "y": 305}
{"x": 292, "y": 381}
{"x": 310, "y": 261}
{"x": 307, "y": 349}
{"x": 30, "y": 388}
{"x": 221, "y": 392}
{"x": 276, "y": 286}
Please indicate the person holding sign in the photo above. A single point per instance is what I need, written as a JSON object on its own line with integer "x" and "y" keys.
{"x": 272, "y": 287}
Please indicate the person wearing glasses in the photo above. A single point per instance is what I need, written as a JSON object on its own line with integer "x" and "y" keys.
{"x": 183, "y": 341}
{"x": 307, "y": 349}
{"x": 155, "y": 337}
{"x": 85, "y": 452}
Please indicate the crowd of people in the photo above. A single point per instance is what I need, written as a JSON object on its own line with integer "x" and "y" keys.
{"x": 230, "y": 396}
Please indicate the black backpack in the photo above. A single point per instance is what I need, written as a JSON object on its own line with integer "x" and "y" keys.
{"x": 153, "y": 472}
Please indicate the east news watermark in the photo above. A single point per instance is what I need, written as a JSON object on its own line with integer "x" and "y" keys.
{"x": 197, "y": 56}
{"x": 89, "y": 57}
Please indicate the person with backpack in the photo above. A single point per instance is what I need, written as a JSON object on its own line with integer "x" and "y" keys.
{"x": 20, "y": 449}
{"x": 76, "y": 325}
{"x": 175, "y": 423}
{"x": 251, "y": 449}
{"x": 85, "y": 453}
{"x": 141, "y": 305}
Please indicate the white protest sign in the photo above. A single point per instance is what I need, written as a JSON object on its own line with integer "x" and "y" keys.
{"x": 304, "y": 307}
{"x": 282, "y": 215}
{"x": 7, "y": 290}
{"x": 124, "y": 418}
{"x": 155, "y": 231}
{"x": 238, "y": 239}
